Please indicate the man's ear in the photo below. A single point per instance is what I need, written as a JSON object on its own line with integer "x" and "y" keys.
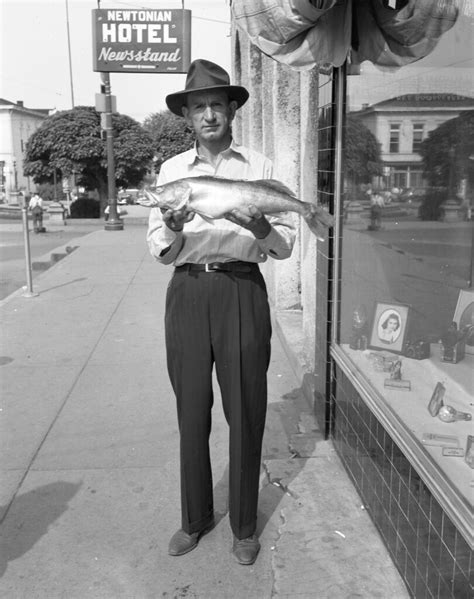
{"x": 185, "y": 111}
{"x": 233, "y": 108}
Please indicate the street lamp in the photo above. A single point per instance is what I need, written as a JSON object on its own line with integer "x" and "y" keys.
{"x": 452, "y": 155}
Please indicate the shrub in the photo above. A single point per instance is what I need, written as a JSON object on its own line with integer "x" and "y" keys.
{"x": 46, "y": 191}
{"x": 430, "y": 207}
{"x": 85, "y": 208}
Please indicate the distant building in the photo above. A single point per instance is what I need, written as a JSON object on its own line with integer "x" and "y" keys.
{"x": 17, "y": 123}
{"x": 400, "y": 125}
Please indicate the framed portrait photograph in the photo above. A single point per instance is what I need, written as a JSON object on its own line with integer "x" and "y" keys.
{"x": 389, "y": 327}
{"x": 464, "y": 317}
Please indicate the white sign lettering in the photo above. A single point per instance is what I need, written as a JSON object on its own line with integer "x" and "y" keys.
{"x": 139, "y": 15}
{"x": 154, "y": 33}
{"x": 139, "y": 56}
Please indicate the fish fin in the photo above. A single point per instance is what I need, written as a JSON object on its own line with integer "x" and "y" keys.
{"x": 317, "y": 218}
{"x": 275, "y": 185}
{"x": 209, "y": 220}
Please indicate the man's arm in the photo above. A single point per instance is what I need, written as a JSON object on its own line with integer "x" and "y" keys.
{"x": 165, "y": 229}
{"x": 275, "y": 235}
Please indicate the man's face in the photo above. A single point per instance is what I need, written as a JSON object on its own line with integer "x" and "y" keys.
{"x": 210, "y": 114}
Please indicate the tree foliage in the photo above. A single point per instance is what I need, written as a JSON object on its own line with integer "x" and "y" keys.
{"x": 170, "y": 133}
{"x": 362, "y": 152}
{"x": 70, "y": 142}
{"x": 448, "y": 152}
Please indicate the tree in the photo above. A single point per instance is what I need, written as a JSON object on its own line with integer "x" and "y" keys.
{"x": 361, "y": 152}
{"x": 448, "y": 152}
{"x": 170, "y": 133}
{"x": 70, "y": 142}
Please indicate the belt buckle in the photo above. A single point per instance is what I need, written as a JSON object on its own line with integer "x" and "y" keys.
{"x": 209, "y": 267}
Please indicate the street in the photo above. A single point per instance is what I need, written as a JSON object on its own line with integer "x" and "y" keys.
{"x": 422, "y": 264}
{"x": 12, "y": 249}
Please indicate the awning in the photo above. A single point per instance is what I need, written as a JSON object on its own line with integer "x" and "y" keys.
{"x": 307, "y": 33}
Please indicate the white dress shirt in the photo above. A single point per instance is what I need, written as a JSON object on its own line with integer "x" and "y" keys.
{"x": 200, "y": 241}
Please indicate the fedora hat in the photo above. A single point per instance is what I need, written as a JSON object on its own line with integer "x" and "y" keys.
{"x": 205, "y": 75}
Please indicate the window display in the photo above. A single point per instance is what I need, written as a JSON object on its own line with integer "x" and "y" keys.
{"x": 406, "y": 271}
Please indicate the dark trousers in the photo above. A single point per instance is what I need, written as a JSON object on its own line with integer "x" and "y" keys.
{"x": 219, "y": 318}
{"x": 37, "y": 221}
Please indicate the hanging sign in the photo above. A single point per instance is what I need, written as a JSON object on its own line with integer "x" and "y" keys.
{"x": 141, "y": 40}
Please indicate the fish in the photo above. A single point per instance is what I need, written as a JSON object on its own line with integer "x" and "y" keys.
{"x": 214, "y": 197}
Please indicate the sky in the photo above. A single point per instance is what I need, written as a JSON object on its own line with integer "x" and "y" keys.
{"x": 34, "y": 58}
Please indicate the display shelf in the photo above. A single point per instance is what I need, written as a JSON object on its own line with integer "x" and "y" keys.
{"x": 405, "y": 416}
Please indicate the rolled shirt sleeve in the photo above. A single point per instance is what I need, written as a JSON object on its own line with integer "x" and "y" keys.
{"x": 278, "y": 244}
{"x": 159, "y": 236}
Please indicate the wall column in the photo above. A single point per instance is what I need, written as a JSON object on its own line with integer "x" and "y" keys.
{"x": 309, "y": 192}
{"x": 285, "y": 93}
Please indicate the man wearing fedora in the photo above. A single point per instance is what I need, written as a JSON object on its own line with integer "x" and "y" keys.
{"x": 217, "y": 311}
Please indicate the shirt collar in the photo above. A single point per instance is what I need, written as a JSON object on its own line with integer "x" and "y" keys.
{"x": 234, "y": 148}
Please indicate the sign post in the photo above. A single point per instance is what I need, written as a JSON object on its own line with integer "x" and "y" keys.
{"x": 135, "y": 41}
{"x": 113, "y": 223}
{"x": 26, "y": 239}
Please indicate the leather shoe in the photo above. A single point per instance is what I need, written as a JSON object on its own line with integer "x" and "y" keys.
{"x": 246, "y": 550}
{"x": 182, "y": 542}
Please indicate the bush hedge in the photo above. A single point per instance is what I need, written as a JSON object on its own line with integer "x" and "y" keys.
{"x": 430, "y": 207}
{"x": 85, "y": 208}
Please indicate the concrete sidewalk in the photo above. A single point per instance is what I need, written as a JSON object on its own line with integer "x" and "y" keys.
{"x": 89, "y": 468}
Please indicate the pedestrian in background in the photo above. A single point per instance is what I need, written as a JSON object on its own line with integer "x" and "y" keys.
{"x": 376, "y": 208}
{"x": 36, "y": 208}
{"x": 217, "y": 311}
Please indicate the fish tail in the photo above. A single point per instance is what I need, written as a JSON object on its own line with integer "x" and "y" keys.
{"x": 318, "y": 220}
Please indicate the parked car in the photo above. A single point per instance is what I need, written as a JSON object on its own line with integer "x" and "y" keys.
{"x": 127, "y": 196}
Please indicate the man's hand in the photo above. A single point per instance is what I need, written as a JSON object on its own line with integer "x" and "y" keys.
{"x": 256, "y": 222}
{"x": 175, "y": 219}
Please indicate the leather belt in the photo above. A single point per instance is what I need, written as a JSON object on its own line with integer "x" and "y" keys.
{"x": 219, "y": 267}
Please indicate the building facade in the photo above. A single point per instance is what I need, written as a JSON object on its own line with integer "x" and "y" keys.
{"x": 377, "y": 393}
{"x": 17, "y": 123}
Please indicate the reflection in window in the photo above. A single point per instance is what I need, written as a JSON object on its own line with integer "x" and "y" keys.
{"x": 394, "y": 145}
{"x": 418, "y": 133}
{"x": 407, "y": 241}
{"x": 416, "y": 180}
{"x": 400, "y": 179}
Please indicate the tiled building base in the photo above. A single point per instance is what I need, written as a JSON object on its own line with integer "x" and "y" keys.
{"x": 433, "y": 558}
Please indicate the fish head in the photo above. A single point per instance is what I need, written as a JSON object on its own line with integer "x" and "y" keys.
{"x": 170, "y": 196}
{"x": 174, "y": 195}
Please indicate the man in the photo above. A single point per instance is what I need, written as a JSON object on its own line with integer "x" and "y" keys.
{"x": 36, "y": 207}
{"x": 217, "y": 311}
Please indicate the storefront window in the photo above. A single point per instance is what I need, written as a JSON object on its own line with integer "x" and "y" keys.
{"x": 407, "y": 296}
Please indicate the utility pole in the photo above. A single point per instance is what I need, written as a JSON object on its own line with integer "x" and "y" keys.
{"x": 69, "y": 53}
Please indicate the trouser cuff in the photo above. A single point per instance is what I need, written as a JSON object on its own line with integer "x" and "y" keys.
{"x": 198, "y": 525}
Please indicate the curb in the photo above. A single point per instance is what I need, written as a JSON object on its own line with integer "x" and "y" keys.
{"x": 43, "y": 263}
{"x": 47, "y": 261}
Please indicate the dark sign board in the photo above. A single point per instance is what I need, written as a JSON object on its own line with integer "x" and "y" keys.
{"x": 141, "y": 40}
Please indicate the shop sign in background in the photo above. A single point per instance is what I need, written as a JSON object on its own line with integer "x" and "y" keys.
{"x": 141, "y": 40}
